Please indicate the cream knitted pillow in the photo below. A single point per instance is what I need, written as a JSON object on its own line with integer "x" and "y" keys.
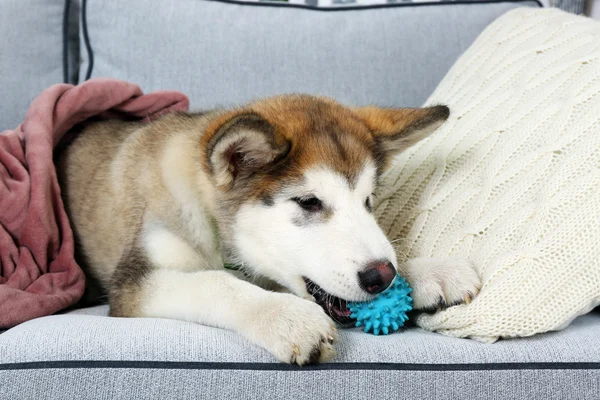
{"x": 512, "y": 180}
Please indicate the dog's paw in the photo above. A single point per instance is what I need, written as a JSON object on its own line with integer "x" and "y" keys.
{"x": 441, "y": 282}
{"x": 294, "y": 330}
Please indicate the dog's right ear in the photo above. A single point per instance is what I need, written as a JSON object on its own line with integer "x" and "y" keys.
{"x": 238, "y": 144}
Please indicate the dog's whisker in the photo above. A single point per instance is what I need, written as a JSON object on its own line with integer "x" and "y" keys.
{"x": 406, "y": 248}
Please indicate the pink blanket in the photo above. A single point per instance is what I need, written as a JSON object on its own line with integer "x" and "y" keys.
{"x": 38, "y": 274}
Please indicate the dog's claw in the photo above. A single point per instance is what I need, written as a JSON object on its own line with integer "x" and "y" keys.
{"x": 298, "y": 333}
{"x": 315, "y": 354}
{"x": 330, "y": 339}
{"x": 467, "y": 298}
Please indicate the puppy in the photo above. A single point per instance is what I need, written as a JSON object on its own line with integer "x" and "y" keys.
{"x": 282, "y": 187}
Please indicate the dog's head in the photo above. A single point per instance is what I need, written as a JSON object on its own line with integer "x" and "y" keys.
{"x": 295, "y": 177}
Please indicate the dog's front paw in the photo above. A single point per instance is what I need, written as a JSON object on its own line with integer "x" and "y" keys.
{"x": 441, "y": 282}
{"x": 294, "y": 330}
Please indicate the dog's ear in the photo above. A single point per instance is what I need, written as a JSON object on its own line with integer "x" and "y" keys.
{"x": 238, "y": 144}
{"x": 396, "y": 129}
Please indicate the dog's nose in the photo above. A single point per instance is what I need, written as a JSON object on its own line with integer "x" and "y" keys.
{"x": 377, "y": 276}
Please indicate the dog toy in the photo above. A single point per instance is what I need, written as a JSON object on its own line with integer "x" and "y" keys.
{"x": 386, "y": 313}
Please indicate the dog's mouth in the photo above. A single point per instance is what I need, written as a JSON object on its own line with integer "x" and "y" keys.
{"x": 335, "y": 307}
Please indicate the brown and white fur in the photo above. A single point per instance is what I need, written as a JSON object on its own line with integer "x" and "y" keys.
{"x": 282, "y": 186}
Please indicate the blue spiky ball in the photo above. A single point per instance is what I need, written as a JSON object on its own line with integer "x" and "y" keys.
{"x": 386, "y": 313}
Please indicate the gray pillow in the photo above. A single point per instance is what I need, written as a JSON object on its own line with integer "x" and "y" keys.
{"x": 31, "y": 53}
{"x": 225, "y": 53}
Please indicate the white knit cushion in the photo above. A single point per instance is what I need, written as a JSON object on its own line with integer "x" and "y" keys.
{"x": 512, "y": 180}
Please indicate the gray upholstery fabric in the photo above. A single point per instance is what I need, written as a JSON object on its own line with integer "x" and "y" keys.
{"x": 72, "y": 38}
{"x": 136, "y": 384}
{"x": 173, "y": 359}
{"x": 572, "y": 6}
{"x": 224, "y": 54}
{"x": 77, "y": 333}
{"x": 31, "y": 54}
{"x": 89, "y": 335}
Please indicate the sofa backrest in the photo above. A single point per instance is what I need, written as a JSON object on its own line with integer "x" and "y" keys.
{"x": 33, "y": 52}
{"x": 223, "y": 53}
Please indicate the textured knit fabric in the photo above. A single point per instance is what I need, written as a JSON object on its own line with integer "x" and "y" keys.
{"x": 85, "y": 354}
{"x": 223, "y": 54}
{"x": 38, "y": 272}
{"x": 512, "y": 180}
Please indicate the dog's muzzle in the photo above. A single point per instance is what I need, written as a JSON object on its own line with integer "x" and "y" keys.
{"x": 333, "y": 306}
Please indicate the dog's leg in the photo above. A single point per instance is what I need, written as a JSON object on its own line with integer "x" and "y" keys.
{"x": 293, "y": 329}
{"x": 440, "y": 282}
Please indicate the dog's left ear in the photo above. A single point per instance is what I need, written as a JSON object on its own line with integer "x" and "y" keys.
{"x": 396, "y": 129}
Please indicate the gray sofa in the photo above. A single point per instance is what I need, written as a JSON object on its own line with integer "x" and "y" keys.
{"x": 224, "y": 53}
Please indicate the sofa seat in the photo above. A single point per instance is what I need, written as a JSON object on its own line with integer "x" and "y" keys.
{"x": 85, "y": 354}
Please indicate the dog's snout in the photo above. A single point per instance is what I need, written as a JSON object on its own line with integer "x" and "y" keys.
{"x": 377, "y": 276}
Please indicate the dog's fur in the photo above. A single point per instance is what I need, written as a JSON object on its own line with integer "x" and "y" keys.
{"x": 282, "y": 186}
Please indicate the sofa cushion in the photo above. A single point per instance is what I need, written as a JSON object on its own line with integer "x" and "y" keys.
{"x": 226, "y": 53}
{"x": 512, "y": 180}
{"x": 31, "y": 52}
{"x": 85, "y": 354}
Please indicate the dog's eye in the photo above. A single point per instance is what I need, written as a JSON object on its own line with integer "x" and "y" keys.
{"x": 368, "y": 205}
{"x": 309, "y": 203}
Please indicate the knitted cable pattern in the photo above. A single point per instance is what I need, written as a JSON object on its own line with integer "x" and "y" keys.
{"x": 512, "y": 180}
